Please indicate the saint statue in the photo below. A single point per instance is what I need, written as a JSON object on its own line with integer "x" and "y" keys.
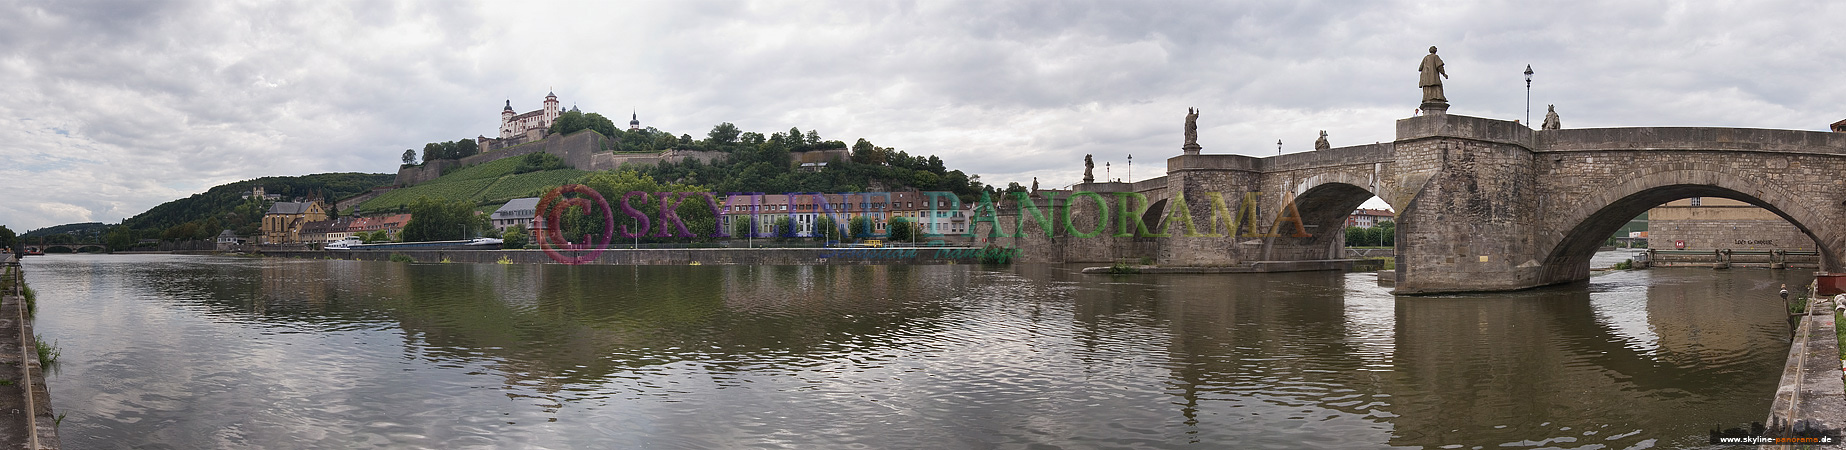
{"x": 1034, "y": 185}
{"x": 1431, "y": 79}
{"x": 1321, "y": 144}
{"x": 1089, "y": 170}
{"x": 1192, "y": 128}
{"x": 1551, "y": 118}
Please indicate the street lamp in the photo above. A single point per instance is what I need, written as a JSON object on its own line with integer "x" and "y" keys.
{"x": 1528, "y": 95}
{"x": 1278, "y": 146}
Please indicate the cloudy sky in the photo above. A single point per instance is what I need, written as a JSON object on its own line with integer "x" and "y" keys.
{"x": 108, "y": 108}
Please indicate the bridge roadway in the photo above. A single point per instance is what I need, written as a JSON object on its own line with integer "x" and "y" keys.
{"x": 1484, "y": 204}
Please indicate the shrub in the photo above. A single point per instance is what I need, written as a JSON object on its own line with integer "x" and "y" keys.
{"x": 540, "y": 161}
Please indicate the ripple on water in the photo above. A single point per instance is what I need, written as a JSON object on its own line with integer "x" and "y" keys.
{"x": 215, "y": 352}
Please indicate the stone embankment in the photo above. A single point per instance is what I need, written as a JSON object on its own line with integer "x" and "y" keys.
{"x": 1811, "y": 399}
{"x": 25, "y": 402}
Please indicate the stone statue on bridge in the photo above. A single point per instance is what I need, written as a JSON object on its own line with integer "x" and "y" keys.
{"x": 1431, "y": 79}
{"x": 1192, "y": 132}
{"x": 1089, "y": 170}
{"x": 1321, "y": 144}
{"x": 1551, "y": 118}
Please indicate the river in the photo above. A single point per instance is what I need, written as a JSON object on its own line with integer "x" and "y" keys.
{"x": 221, "y": 352}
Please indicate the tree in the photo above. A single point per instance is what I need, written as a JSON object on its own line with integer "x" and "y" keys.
{"x": 120, "y": 238}
{"x": 722, "y": 134}
{"x": 863, "y": 152}
{"x": 410, "y": 157}
{"x": 433, "y": 151}
{"x": 465, "y": 148}
{"x": 861, "y": 227}
{"x": 828, "y": 229}
{"x": 902, "y": 229}
{"x": 665, "y": 141}
{"x": 514, "y": 237}
{"x": 435, "y": 220}
{"x": 9, "y": 240}
{"x": 573, "y": 121}
{"x": 694, "y": 210}
{"x": 784, "y": 228}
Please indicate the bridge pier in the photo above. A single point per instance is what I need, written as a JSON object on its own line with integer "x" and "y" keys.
{"x": 1468, "y": 226}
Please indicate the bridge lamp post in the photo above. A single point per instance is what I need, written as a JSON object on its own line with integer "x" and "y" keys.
{"x": 1528, "y": 95}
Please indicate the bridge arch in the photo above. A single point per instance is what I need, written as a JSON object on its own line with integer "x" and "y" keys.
{"x": 1324, "y": 201}
{"x": 1575, "y": 234}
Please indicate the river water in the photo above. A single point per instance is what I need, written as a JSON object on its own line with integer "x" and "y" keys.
{"x": 218, "y": 352}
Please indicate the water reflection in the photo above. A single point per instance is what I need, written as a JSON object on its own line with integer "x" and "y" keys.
{"x": 193, "y": 352}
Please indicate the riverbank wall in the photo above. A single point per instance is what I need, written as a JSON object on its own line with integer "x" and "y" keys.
{"x": 1810, "y": 401}
{"x": 678, "y": 256}
{"x": 26, "y": 420}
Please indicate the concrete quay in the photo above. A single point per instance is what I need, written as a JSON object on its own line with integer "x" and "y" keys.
{"x": 26, "y": 420}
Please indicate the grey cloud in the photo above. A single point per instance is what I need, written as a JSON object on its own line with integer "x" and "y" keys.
{"x": 164, "y": 99}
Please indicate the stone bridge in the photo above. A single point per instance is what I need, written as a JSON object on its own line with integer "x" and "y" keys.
{"x": 1483, "y": 204}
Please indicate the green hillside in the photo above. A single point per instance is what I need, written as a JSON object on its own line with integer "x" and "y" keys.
{"x": 78, "y": 232}
{"x": 487, "y": 183}
{"x": 203, "y": 215}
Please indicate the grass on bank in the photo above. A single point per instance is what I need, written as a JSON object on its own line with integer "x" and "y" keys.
{"x": 1840, "y": 332}
{"x": 47, "y": 353}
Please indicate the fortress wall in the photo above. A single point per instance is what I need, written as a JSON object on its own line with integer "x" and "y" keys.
{"x": 408, "y": 176}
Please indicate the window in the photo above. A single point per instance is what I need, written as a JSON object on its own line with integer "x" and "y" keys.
{"x": 1695, "y": 201}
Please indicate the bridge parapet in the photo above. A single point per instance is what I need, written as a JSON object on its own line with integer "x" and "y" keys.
{"x": 1691, "y": 138}
{"x": 1342, "y": 156}
{"x": 1465, "y": 127}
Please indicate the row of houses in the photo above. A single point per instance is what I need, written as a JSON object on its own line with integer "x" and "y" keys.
{"x": 739, "y": 212}
{"x": 307, "y": 223}
{"x": 933, "y": 212}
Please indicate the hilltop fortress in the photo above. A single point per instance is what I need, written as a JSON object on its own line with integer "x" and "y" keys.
{"x": 530, "y": 132}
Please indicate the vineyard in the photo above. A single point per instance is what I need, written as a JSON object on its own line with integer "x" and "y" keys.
{"x": 487, "y": 183}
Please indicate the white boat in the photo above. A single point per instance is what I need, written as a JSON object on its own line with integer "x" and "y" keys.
{"x": 343, "y": 244}
{"x": 486, "y": 241}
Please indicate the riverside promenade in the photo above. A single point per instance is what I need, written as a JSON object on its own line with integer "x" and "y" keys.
{"x": 25, "y": 402}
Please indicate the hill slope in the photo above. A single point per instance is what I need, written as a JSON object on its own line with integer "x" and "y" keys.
{"x": 224, "y": 206}
{"x": 484, "y": 184}
{"x": 80, "y": 231}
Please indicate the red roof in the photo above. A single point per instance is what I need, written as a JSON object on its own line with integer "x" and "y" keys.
{"x": 390, "y": 222}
